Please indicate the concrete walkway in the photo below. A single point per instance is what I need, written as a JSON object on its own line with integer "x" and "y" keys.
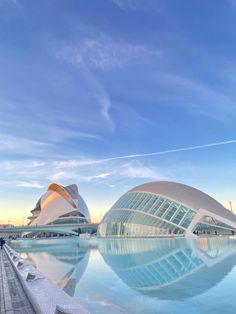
{"x": 12, "y": 297}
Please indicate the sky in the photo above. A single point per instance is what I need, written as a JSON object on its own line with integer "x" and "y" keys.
{"x": 110, "y": 94}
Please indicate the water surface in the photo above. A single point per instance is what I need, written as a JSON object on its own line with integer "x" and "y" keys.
{"x": 141, "y": 275}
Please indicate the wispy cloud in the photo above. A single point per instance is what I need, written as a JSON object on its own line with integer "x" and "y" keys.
{"x": 20, "y": 145}
{"x": 99, "y": 52}
{"x": 100, "y": 176}
{"x": 72, "y": 168}
{"x": 105, "y": 111}
{"x": 62, "y": 175}
{"x": 137, "y": 5}
{"x": 137, "y": 170}
{"x": 38, "y": 174}
{"x": 140, "y": 5}
{"x": 197, "y": 96}
{"x": 126, "y": 5}
{"x": 51, "y": 127}
{"x": 25, "y": 184}
{"x": 120, "y": 171}
{"x": 101, "y": 97}
{"x": 59, "y": 134}
{"x": 90, "y": 54}
{"x": 102, "y": 52}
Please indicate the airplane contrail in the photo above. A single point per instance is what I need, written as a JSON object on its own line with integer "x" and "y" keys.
{"x": 164, "y": 152}
{"x": 78, "y": 163}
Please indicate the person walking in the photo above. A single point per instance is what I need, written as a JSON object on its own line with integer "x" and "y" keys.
{"x": 2, "y": 242}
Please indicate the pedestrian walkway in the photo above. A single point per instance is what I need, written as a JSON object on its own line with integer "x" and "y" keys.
{"x": 12, "y": 297}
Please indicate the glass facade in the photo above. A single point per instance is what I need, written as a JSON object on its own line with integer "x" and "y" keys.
{"x": 145, "y": 214}
{"x": 163, "y": 271}
{"x": 69, "y": 220}
{"x": 212, "y": 226}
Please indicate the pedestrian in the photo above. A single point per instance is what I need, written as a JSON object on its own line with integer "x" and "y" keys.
{"x": 2, "y": 242}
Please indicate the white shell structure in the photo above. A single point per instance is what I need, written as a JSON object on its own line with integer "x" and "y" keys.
{"x": 60, "y": 205}
{"x": 166, "y": 208}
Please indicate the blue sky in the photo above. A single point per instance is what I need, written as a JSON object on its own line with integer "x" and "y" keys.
{"x": 82, "y": 82}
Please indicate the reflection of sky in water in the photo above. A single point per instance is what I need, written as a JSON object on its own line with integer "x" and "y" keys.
{"x": 141, "y": 276}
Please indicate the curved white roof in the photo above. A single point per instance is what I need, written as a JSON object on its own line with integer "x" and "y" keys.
{"x": 58, "y": 201}
{"x": 187, "y": 196}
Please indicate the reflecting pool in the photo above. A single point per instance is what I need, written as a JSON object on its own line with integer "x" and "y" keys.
{"x": 140, "y": 275}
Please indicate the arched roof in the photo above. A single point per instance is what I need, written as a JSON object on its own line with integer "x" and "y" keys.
{"x": 187, "y": 196}
{"x": 60, "y": 190}
{"x": 57, "y": 202}
{"x": 70, "y": 193}
{"x": 72, "y": 190}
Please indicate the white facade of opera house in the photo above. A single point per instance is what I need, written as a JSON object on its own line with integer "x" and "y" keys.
{"x": 166, "y": 208}
{"x": 60, "y": 205}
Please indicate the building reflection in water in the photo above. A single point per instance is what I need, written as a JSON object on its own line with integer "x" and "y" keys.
{"x": 170, "y": 268}
{"x": 61, "y": 260}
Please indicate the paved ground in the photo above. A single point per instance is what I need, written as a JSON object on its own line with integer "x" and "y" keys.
{"x": 12, "y": 297}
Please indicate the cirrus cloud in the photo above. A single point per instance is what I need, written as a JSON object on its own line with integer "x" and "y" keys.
{"x": 102, "y": 52}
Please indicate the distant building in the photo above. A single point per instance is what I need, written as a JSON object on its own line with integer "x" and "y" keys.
{"x": 3, "y": 234}
{"x": 6, "y": 226}
{"x": 60, "y": 205}
{"x": 166, "y": 208}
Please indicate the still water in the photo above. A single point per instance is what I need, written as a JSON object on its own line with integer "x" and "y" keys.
{"x": 141, "y": 275}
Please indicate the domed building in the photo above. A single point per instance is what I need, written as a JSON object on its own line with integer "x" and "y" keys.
{"x": 163, "y": 209}
{"x": 60, "y": 205}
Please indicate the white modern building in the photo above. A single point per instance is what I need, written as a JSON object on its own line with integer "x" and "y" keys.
{"x": 60, "y": 205}
{"x": 164, "y": 209}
